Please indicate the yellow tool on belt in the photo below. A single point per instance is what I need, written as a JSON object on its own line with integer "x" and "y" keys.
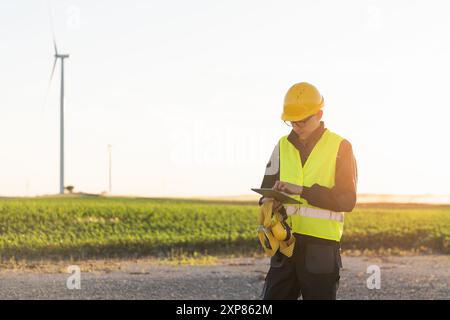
{"x": 273, "y": 232}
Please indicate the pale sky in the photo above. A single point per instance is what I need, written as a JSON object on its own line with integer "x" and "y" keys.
{"x": 189, "y": 93}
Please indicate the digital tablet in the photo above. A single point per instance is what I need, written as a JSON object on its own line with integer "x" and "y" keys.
{"x": 277, "y": 195}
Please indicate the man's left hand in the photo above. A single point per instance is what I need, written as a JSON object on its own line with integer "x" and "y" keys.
{"x": 287, "y": 187}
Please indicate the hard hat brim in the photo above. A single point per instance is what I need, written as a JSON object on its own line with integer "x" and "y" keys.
{"x": 287, "y": 117}
{"x": 292, "y": 113}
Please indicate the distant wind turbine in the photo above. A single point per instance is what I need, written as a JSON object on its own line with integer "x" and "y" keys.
{"x": 61, "y": 57}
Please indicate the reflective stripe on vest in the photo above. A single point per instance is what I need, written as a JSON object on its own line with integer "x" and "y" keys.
{"x": 319, "y": 169}
{"x": 315, "y": 213}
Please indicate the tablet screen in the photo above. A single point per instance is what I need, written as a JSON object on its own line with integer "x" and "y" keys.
{"x": 277, "y": 195}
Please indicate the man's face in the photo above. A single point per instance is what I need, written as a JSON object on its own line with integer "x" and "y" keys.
{"x": 304, "y": 128}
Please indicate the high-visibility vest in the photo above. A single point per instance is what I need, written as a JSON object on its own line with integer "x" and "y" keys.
{"x": 319, "y": 168}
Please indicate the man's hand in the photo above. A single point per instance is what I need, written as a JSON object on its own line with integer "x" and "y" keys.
{"x": 287, "y": 187}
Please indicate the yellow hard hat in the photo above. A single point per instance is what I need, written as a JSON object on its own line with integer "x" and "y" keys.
{"x": 268, "y": 241}
{"x": 281, "y": 231}
{"x": 287, "y": 247}
{"x": 301, "y": 101}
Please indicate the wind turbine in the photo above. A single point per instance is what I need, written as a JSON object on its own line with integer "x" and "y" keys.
{"x": 61, "y": 123}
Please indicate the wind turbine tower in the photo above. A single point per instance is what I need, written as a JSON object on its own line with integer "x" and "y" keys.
{"x": 61, "y": 123}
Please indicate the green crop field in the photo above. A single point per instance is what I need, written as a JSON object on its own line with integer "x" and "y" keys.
{"x": 127, "y": 227}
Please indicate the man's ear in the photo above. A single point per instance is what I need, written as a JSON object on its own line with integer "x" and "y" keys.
{"x": 319, "y": 115}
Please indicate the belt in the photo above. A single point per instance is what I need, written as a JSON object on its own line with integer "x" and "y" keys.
{"x": 314, "y": 213}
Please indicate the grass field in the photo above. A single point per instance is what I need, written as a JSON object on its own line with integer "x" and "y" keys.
{"x": 125, "y": 227}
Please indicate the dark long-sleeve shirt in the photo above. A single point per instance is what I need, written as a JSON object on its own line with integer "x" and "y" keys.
{"x": 342, "y": 196}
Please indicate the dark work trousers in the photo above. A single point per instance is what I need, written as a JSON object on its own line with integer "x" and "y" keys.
{"x": 312, "y": 272}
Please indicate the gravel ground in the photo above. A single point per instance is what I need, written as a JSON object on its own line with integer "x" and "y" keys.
{"x": 411, "y": 277}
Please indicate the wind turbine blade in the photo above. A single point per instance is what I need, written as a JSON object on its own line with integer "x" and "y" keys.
{"x": 52, "y": 27}
{"x": 49, "y": 84}
{"x": 54, "y": 44}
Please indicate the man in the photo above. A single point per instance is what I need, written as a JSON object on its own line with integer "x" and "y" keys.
{"x": 317, "y": 167}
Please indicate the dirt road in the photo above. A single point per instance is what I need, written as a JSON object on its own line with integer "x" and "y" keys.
{"x": 413, "y": 277}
